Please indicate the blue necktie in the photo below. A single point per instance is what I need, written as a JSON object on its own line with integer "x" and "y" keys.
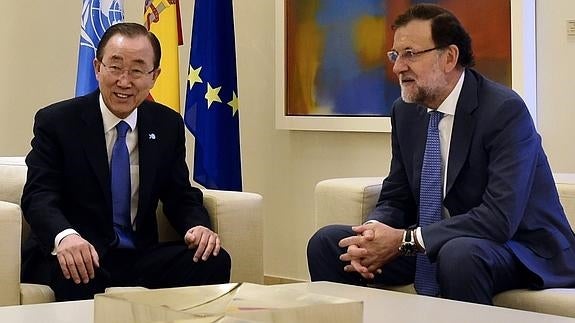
{"x": 121, "y": 187}
{"x": 430, "y": 203}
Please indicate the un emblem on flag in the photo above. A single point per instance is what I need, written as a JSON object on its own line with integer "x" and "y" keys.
{"x": 97, "y": 16}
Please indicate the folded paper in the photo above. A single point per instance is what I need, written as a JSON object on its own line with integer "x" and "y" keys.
{"x": 241, "y": 302}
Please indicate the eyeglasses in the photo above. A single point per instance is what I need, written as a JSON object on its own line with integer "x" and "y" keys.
{"x": 133, "y": 73}
{"x": 408, "y": 54}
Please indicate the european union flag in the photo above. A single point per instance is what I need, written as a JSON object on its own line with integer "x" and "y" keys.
{"x": 97, "y": 16}
{"x": 212, "y": 97}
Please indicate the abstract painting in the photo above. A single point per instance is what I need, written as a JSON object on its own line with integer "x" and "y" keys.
{"x": 335, "y": 52}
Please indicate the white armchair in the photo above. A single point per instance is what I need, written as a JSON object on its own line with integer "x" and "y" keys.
{"x": 349, "y": 201}
{"x": 236, "y": 217}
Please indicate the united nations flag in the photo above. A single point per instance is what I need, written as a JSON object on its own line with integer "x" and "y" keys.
{"x": 97, "y": 16}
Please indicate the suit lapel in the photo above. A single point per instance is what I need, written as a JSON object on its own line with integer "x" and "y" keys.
{"x": 94, "y": 142}
{"x": 463, "y": 127}
{"x": 148, "y": 141}
{"x": 420, "y": 138}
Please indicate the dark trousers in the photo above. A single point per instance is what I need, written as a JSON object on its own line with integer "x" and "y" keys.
{"x": 165, "y": 265}
{"x": 468, "y": 269}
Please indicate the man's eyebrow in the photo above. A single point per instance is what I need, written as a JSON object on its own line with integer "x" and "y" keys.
{"x": 116, "y": 58}
{"x": 121, "y": 59}
{"x": 139, "y": 61}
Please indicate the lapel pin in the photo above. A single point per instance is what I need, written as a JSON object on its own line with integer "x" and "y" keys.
{"x": 152, "y": 136}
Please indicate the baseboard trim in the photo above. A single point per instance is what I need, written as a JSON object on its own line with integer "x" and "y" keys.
{"x": 276, "y": 280}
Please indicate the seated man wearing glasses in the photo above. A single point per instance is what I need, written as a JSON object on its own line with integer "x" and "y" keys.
{"x": 469, "y": 207}
{"x": 99, "y": 164}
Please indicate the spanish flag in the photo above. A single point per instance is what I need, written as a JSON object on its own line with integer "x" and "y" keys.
{"x": 162, "y": 17}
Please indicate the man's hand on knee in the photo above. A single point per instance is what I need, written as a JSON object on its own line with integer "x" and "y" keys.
{"x": 375, "y": 245}
{"x": 206, "y": 242}
{"x": 77, "y": 258}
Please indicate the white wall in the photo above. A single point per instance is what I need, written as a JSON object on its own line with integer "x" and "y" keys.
{"x": 39, "y": 56}
{"x": 38, "y": 65}
{"x": 555, "y": 83}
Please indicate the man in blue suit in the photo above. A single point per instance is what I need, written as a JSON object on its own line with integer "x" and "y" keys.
{"x": 501, "y": 225}
{"x": 80, "y": 243}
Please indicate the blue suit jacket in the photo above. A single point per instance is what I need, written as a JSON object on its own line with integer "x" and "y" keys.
{"x": 68, "y": 183}
{"x": 499, "y": 183}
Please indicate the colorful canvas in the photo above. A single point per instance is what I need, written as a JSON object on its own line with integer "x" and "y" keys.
{"x": 336, "y": 62}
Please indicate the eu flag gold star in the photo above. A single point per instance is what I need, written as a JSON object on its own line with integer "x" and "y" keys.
{"x": 213, "y": 95}
{"x": 234, "y": 103}
{"x": 194, "y": 76}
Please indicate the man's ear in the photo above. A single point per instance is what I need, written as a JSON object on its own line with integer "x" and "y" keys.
{"x": 156, "y": 74}
{"x": 451, "y": 57}
{"x": 97, "y": 65}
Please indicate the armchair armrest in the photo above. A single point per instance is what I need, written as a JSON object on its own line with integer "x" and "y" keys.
{"x": 10, "y": 223}
{"x": 237, "y": 218}
{"x": 567, "y": 196}
{"x": 345, "y": 200}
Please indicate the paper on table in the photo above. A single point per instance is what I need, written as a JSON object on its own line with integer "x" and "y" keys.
{"x": 224, "y": 303}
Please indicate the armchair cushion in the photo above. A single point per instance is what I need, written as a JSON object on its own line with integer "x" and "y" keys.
{"x": 345, "y": 200}
{"x": 349, "y": 201}
{"x": 10, "y": 222}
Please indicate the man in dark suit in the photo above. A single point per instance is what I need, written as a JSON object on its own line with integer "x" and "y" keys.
{"x": 500, "y": 224}
{"x": 77, "y": 245}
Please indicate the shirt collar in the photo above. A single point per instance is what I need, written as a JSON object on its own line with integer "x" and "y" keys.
{"x": 110, "y": 120}
{"x": 447, "y": 107}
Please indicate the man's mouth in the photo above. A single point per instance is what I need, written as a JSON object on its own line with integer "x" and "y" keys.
{"x": 121, "y": 95}
{"x": 405, "y": 80}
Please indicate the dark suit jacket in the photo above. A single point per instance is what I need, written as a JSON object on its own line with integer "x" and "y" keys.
{"x": 499, "y": 183}
{"x": 68, "y": 182}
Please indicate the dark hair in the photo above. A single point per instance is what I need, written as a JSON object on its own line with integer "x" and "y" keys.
{"x": 445, "y": 29}
{"x": 130, "y": 30}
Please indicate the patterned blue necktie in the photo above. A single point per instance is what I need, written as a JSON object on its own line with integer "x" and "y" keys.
{"x": 430, "y": 203}
{"x": 121, "y": 187}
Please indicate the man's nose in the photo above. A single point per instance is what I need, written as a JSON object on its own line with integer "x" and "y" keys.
{"x": 124, "y": 79}
{"x": 399, "y": 66}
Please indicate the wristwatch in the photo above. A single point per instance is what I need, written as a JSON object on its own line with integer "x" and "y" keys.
{"x": 408, "y": 246}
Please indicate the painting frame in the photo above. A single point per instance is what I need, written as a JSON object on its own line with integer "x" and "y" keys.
{"x": 523, "y": 76}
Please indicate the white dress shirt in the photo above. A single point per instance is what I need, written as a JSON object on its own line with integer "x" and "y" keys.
{"x": 110, "y": 121}
{"x": 447, "y": 107}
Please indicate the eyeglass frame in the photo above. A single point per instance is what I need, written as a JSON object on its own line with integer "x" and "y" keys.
{"x": 117, "y": 71}
{"x": 410, "y": 52}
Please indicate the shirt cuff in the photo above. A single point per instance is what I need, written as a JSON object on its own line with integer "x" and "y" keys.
{"x": 419, "y": 237}
{"x": 370, "y": 221}
{"x": 61, "y": 236}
